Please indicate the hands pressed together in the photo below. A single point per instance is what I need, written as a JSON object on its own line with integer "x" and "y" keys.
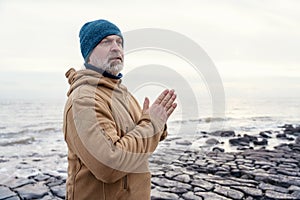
{"x": 163, "y": 106}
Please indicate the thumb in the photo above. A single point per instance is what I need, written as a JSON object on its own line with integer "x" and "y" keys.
{"x": 146, "y": 104}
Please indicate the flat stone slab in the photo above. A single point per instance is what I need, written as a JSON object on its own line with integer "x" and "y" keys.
{"x": 33, "y": 191}
{"x": 5, "y": 192}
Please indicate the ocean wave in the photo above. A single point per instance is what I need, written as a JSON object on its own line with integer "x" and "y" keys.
{"x": 261, "y": 118}
{"x": 46, "y": 130}
{"x": 200, "y": 120}
{"x": 23, "y": 141}
{"x": 52, "y": 123}
{"x": 27, "y": 131}
{"x": 215, "y": 119}
{"x": 185, "y": 121}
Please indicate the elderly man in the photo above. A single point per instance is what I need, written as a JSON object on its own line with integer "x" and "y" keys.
{"x": 109, "y": 136}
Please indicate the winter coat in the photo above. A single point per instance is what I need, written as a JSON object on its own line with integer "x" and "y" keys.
{"x": 109, "y": 139}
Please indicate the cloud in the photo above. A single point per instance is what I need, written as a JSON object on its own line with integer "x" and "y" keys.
{"x": 247, "y": 38}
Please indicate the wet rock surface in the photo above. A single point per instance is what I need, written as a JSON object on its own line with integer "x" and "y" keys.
{"x": 34, "y": 187}
{"x": 186, "y": 173}
{"x": 250, "y": 174}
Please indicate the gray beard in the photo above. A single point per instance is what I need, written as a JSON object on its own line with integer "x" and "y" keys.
{"x": 113, "y": 68}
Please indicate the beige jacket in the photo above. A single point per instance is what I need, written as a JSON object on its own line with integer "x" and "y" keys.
{"x": 109, "y": 139}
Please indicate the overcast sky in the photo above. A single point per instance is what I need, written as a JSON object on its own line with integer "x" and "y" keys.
{"x": 254, "y": 44}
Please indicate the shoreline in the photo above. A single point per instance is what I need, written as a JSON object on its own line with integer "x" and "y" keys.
{"x": 189, "y": 172}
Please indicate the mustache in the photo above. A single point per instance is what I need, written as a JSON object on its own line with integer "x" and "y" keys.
{"x": 115, "y": 56}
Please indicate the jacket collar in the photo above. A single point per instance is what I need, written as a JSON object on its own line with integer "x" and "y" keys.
{"x": 103, "y": 72}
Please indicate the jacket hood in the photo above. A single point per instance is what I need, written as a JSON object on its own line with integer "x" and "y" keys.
{"x": 89, "y": 77}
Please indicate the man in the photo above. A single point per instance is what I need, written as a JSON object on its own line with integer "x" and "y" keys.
{"x": 109, "y": 136}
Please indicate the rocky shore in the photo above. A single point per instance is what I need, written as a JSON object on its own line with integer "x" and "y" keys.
{"x": 250, "y": 174}
{"x": 185, "y": 173}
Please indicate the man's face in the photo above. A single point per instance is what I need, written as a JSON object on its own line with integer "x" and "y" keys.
{"x": 108, "y": 54}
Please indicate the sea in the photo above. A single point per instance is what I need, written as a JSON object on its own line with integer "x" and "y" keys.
{"x": 31, "y": 123}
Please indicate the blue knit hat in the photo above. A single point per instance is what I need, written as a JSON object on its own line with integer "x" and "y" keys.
{"x": 91, "y": 33}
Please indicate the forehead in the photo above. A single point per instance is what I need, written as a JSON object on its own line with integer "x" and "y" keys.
{"x": 112, "y": 37}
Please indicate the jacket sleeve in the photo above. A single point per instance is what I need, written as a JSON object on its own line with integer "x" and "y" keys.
{"x": 91, "y": 133}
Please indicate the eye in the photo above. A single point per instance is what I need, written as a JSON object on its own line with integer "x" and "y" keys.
{"x": 105, "y": 42}
{"x": 119, "y": 42}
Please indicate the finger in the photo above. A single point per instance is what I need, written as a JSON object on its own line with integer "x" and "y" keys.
{"x": 161, "y": 96}
{"x": 167, "y": 98}
{"x": 146, "y": 104}
{"x": 171, "y": 109}
{"x": 171, "y": 101}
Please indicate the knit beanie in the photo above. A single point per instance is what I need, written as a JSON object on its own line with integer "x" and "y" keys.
{"x": 91, "y": 33}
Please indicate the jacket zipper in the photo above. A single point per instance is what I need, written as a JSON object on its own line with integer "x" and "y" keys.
{"x": 74, "y": 179}
{"x": 125, "y": 183}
